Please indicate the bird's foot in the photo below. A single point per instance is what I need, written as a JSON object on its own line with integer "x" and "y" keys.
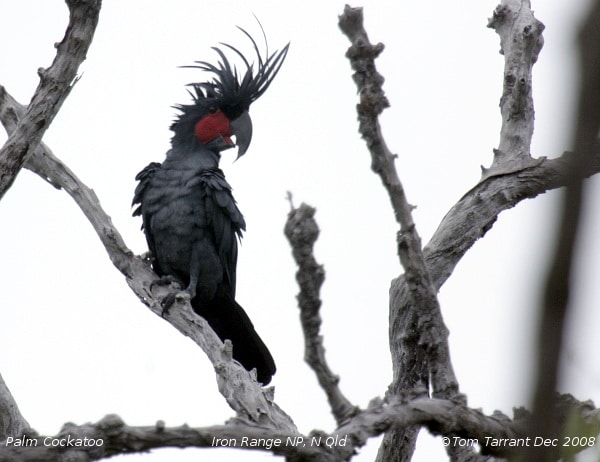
{"x": 147, "y": 257}
{"x": 170, "y": 299}
{"x": 164, "y": 281}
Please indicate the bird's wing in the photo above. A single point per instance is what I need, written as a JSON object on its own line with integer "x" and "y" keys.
{"x": 224, "y": 220}
{"x": 144, "y": 178}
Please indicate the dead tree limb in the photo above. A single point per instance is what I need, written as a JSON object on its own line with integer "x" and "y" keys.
{"x": 242, "y": 392}
{"x": 257, "y": 414}
{"x": 302, "y": 231}
{"x": 521, "y": 41}
{"x": 54, "y": 87}
{"x": 12, "y": 421}
{"x": 417, "y": 329}
{"x": 245, "y": 396}
{"x": 362, "y": 54}
{"x": 513, "y": 176}
{"x": 111, "y": 436}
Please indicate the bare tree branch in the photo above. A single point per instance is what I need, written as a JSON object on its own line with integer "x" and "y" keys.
{"x": 477, "y": 211}
{"x": 111, "y": 436}
{"x": 520, "y": 42}
{"x": 50, "y": 168}
{"x": 418, "y": 337}
{"x": 12, "y": 421}
{"x": 243, "y": 394}
{"x": 302, "y": 231}
{"x": 518, "y": 177}
{"x": 250, "y": 401}
{"x": 424, "y": 296}
{"x": 424, "y": 349}
{"x": 55, "y": 84}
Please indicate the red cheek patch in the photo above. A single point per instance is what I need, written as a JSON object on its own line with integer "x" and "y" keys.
{"x": 212, "y": 126}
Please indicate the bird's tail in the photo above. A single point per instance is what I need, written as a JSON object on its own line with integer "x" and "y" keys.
{"x": 229, "y": 321}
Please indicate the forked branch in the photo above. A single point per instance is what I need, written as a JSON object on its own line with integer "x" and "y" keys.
{"x": 251, "y": 402}
{"x": 423, "y": 294}
{"x": 54, "y": 87}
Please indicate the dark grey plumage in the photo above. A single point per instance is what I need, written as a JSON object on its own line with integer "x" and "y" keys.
{"x": 190, "y": 218}
{"x": 189, "y": 214}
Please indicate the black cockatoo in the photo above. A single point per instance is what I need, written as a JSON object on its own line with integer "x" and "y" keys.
{"x": 189, "y": 216}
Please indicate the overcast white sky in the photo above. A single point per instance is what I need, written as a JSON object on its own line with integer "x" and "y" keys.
{"x": 76, "y": 344}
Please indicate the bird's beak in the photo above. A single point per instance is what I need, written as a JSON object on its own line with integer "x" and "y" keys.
{"x": 242, "y": 129}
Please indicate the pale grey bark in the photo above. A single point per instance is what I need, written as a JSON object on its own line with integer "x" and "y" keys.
{"x": 54, "y": 87}
{"x": 247, "y": 398}
{"x": 12, "y": 421}
{"x": 418, "y": 337}
{"x": 302, "y": 232}
{"x": 513, "y": 176}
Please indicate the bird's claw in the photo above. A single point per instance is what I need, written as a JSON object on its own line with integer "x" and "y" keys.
{"x": 170, "y": 299}
{"x": 163, "y": 281}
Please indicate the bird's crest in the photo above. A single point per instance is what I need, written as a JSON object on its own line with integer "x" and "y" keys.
{"x": 230, "y": 90}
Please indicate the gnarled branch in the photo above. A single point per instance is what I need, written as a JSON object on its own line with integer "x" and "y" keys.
{"x": 54, "y": 87}
{"x": 12, "y": 421}
{"x": 241, "y": 391}
{"x": 424, "y": 338}
{"x": 111, "y": 436}
{"x": 521, "y": 41}
{"x": 302, "y": 231}
{"x": 251, "y": 402}
{"x": 422, "y": 292}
